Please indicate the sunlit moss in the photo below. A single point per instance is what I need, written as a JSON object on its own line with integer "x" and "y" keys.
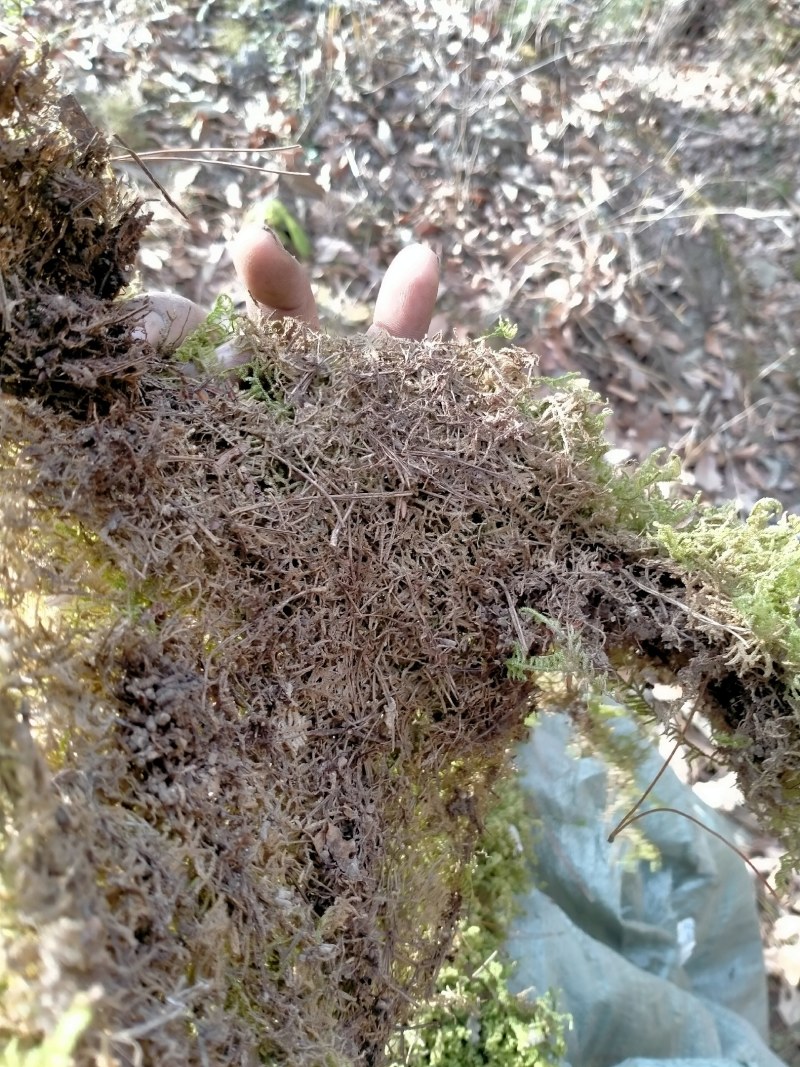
{"x": 757, "y": 564}
{"x": 57, "y": 1048}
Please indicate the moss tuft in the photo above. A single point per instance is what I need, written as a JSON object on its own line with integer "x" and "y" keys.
{"x": 756, "y": 563}
{"x": 473, "y": 1020}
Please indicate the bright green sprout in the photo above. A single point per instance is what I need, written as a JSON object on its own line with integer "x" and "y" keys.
{"x": 504, "y": 329}
{"x": 283, "y": 223}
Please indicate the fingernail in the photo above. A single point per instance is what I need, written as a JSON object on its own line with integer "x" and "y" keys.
{"x": 268, "y": 229}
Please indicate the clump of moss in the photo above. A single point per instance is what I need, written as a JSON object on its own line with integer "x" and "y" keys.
{"x": 473, "y": 1018}
{"x": 756, "y": 563}
{"x": 70, "y": 236}
{"x": 475, "y": 1021}
{"x": 220, "y": 325}
{"x": 241, "y": 797}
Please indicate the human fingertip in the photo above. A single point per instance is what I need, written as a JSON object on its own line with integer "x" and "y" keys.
{"x": 252, "y": 240}
{"x": 259, "y": 259}
{"x": 376, "y": 331}
{"x": 406, "y": 299}
{"x": 164, "y": 320}
{"x": 271, "y": 276}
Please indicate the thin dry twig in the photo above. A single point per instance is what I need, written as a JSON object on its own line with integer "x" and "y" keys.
{"x": 154, "y": 153}
{"x": 137, "y": 159}
{"x": 223, "y": 163}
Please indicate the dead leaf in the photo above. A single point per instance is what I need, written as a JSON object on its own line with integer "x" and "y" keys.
{"x": 672, "y": 341}
{"x": 707, "y": 475}
{"x": 601, "y": 190}
{"x": 713, "y": 345}
{"x": 332, "y": 847}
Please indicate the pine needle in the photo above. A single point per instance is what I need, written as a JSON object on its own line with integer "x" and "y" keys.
{"x": 180, "y": 155}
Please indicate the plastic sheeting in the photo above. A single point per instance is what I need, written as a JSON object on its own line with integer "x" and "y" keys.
{"x": 659, "y": 965}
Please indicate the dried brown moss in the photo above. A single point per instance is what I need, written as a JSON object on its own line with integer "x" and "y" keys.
{"x": 68, "y": 234}
{"x": 254, "y": 685}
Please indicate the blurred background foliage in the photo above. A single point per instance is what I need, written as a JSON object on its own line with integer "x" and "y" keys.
{"x": 618, "y": 179}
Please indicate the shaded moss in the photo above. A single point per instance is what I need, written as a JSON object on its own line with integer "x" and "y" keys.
{"x": 473, "y": 1019}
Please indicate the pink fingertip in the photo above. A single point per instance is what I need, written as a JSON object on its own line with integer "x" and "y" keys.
{"x": 407, "y": 296}
{"x": 271, "y": 275}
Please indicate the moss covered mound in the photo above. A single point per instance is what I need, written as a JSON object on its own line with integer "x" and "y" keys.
{"x": 254, "y": 685}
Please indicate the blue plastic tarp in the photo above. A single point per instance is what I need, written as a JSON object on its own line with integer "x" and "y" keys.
{"x": 659, "y": 963}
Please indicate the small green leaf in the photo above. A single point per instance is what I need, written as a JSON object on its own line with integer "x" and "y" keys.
{"x": 283, "y": 223}
{"x": 503, "y": 330}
